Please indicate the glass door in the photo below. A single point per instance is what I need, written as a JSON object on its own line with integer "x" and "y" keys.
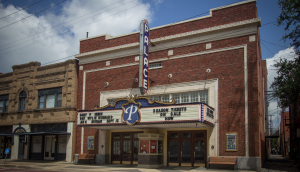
{"x": 173, "y": 146}
{"x": 199, "y": 149}
{"x": 125, "y": 147}
{"x": 49, "y": 147}
{"x": 126, "y": 153}
{"x": 116, "y": 148}
{"x": 186, "y": 149}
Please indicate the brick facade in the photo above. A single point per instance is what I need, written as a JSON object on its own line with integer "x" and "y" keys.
{"x": 32, "y": 77}
{"x": 227, "y": 66}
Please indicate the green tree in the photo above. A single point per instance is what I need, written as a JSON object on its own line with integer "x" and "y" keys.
{"x": 290, "y": 17}
{"x": 286, "y": 85}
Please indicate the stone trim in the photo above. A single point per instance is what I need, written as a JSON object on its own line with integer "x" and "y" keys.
{"x": 107, "y": 36}
{"x": 26, "y": 65}
{"x": 50, "y": 74}
{"x": 49, "y": 82}
{"x": 6, "y": 75}
{"x": 172, "y": 37}
{"x": 6, "y": 82}
{"x": 56, "y": 65}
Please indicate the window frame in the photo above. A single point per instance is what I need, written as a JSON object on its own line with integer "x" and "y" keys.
{"x": 199, "y": 96}
{"x": 5, "y": 99}
{"x": 43, "y": 93}
{"x": 22, "y": 101}
{"x": 155, "y": 67}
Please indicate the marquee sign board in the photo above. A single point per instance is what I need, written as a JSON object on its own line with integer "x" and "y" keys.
{"x": 144, "y": 60}
{"x": 143, "y": 110}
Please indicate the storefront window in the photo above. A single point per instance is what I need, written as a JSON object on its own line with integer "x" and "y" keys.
{"x": 36, "y": 146}
{"x": 62, "y": 144}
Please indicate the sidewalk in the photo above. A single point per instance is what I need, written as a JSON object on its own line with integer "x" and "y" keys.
{"x": 66, "y": 166}
{"x": 277, "y": 163}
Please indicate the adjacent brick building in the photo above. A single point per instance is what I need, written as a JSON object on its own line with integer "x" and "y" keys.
{"x": 213, "y": 60}
{"x": 284, "y": 135}
{"x": 38, "y": 110}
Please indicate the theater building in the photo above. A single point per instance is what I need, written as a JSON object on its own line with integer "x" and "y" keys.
{"x": 38, "y": 110}
{"x": 204, "y": 97}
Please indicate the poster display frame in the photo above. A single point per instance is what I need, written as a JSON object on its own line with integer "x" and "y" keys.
{"x": 231, "y": 139}
{"x": 91, "y": 143}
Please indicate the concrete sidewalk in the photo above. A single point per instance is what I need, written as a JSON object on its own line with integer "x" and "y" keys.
{"x": 66, "y": 166}
{"x": 279, "y": 163}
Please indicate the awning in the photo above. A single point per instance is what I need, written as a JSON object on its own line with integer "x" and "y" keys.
{"x": 37, "y": 133}
{"x": 3, "y": 134}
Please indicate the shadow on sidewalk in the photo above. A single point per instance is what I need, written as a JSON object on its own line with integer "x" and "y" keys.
{"x": 279, "y": 163}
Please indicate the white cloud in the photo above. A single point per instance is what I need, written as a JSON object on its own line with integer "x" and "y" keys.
{"x": 45, "y": 38}
{"x": 284, "y": 54}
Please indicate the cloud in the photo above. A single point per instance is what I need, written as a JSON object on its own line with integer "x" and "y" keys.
{"x": 284, "y": 54}
{"x": 55, "y": 34}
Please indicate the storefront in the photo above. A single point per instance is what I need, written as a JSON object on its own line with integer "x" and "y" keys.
{"x": 39, "y": 141}
{"x": 151, "y": 133}
{"x": 6, "y": 141}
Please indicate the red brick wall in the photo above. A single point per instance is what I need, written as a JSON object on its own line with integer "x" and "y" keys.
{"x": 219, "y": 17}
{"x": 227, "y": 67}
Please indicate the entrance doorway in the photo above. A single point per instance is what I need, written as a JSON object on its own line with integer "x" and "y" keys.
{"x": 125, "y": 148}
{"x": 49, "y": 148}
{"x": 21, "y": 147}
{"x": 186, "y": 148}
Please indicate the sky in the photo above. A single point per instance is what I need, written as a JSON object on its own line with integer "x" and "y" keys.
{"x": 48, "y": 31}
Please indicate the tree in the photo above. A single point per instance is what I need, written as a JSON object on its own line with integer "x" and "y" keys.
{"x": 290, "y": 15}
{"x": 286, "y": 85}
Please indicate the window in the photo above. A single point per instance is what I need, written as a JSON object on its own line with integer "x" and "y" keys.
{"x": 189, "y": 97}
{"x": 155, "y": 65}
{"x": 22, "y": 100}
{"x": 111, "y": 101}
{"x": 183, "y": 97}
{"x": 50, "y": 98}
{"x": 3, "y": 103}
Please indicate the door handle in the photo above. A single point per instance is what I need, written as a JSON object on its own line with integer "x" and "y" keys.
{"x": 194, "y": 154}
{"x": 169, "y": 153}
{"x": 181, "y": 153}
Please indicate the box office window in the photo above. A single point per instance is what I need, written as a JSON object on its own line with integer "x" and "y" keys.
{"x": 3, "y": 103}
{"x": 50, "y": 98}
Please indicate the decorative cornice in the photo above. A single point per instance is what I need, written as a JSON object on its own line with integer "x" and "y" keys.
{"x": 171, "y": 37}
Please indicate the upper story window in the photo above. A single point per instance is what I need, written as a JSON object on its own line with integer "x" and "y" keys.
{"x": 188, "y": 97}
{"x": 22, "y": 100}
{"x": 155, "y": 65}
{"x": 3, "y": 103}
{"x": 50, "y": 98}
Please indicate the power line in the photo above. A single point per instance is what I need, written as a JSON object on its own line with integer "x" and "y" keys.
{"x": 74, "y": 29}
{"x": 267, "y": 48}
{"x": 3, "y": 1}
{"x": 274, "y": 44}
{"x": 20, "y": 10}
{"x": 269, "y": 23}
{"x": 57, "y": 26}
{"x": 33, "y": 14}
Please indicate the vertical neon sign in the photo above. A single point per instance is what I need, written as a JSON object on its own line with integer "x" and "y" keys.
{"x": 144, "y": 56}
